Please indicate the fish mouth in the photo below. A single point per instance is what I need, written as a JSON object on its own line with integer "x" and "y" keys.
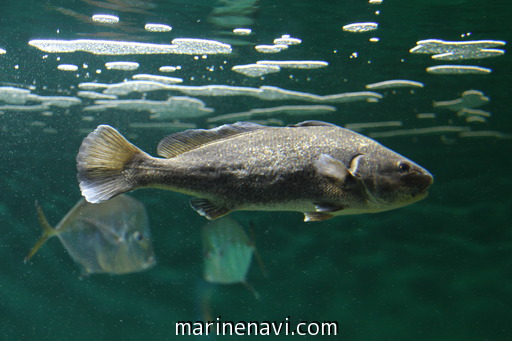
{"x": 419, "y": 182}
{"x": 427, "y": 182}
{"x": 420, "y": 195}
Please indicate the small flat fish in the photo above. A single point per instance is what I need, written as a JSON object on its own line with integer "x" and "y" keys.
{"x": 112, "y": 237}
{"x": 227, "y": 252}
{"x": 312, "y": 167}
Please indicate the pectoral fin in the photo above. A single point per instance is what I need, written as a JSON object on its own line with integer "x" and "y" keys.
{"x": 208, "y": 209}
{"x": 334, "y": 169}
{"x": 328, "y": 166}
{"x": 316, "y": 216}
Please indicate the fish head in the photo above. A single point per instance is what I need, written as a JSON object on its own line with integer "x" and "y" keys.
{"x": 132, "y": 254}
{"x": 392, "y": 180}
{"x": 140, "y": 252}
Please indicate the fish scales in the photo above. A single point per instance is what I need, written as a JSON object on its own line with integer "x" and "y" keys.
{"x": 259, "y": 168}
{"x": 312, "y": 167}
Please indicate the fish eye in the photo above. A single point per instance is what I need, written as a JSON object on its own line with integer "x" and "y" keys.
{"x": 403, "y": 167}
{"x": 138, "y": 236}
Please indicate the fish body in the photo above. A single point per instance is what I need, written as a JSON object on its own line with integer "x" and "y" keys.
{"x": 227, "y": 252}
{"x": 312, "y": 167}
{"x": 112, "y": 237}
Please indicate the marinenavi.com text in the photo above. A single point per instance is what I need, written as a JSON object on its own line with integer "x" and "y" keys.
{"x": 219, "y": 327}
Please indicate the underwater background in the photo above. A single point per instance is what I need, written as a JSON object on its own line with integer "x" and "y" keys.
{"x": 436, "y": 270}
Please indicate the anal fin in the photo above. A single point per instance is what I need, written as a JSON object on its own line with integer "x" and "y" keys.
{"x": 316, "y": 216}
{"x": 208, "y": 209}
{"x": 328, "y": 207}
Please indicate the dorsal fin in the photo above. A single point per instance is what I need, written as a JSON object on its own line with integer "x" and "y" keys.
{"x": 187, "y": 140}
{"x": 313, "y": 124}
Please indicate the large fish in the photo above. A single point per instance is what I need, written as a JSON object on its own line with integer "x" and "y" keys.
{"x": 312, "y": 167}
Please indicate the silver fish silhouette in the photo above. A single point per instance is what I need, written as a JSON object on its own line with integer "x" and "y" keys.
{"x": 227, "y": 252}
{"x": 112, "y": 237}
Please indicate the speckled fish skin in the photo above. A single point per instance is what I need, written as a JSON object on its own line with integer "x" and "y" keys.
{"x": 313, "y": 167}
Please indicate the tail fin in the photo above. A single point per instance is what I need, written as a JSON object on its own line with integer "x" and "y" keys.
{"x": 101, "y": 160}
{"x": 48, "y": 232}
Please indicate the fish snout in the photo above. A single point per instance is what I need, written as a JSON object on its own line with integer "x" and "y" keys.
{"x": 418, "y": 179}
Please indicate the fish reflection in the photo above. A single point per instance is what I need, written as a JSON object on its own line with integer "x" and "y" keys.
{"x": 234, "y": 13}
{"x": 112, "y": 237}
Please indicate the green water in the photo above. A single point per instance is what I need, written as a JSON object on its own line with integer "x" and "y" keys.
{"x": 437, "y": 270}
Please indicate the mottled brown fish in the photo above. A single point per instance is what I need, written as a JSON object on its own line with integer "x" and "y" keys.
{"x": 312, "y": 167}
